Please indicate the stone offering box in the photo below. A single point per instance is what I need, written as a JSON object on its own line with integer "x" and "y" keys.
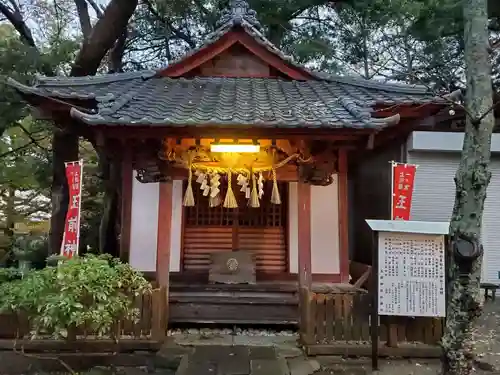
{"x": 232, "y": 267}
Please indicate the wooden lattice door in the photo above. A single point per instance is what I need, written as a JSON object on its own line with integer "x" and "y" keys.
{"x": 260, "y": 230}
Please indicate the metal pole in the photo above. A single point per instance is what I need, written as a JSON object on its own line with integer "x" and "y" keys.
{"x": 374, "y": 311}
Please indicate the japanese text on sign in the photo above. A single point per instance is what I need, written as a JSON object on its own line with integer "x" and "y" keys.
{"x": 71, "y": 236}
{"x": 411, "y": 279}
{"x": 402, "y": 190}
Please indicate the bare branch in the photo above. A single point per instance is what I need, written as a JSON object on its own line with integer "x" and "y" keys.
{"x": 178, "y": 33}
{"x": 84, "y": 17}
{"x": 97, "y": 9}
{"x": 116, "y": 54}
{"x": 16, "y": 19}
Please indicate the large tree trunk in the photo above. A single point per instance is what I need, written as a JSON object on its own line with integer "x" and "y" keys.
{"x": 64, "y": 149}
{"x": 472, "y": 179}
{"x": 105, "y": 33}
{"x": 107, "y": 30}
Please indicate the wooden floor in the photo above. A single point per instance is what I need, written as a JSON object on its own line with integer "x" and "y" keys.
{"x": 263, "y": 303}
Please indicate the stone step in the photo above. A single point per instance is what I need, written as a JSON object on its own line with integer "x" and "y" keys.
{"x": 232, "y": 360}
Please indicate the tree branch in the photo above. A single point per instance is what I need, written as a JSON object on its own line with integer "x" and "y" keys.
{"x": 16, "y": 19}
{"x": 103, "y": 36}
{"x": 178, "y": 33}
{"x": 10, "y": 152}
{"x": 84, "y": 17}
{"x": 33, "y": 140}
{"x": 97, "y": 9}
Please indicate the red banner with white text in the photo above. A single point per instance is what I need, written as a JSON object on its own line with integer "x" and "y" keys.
{"x": 402, "y": 190}
{"x": 71, "y": 237}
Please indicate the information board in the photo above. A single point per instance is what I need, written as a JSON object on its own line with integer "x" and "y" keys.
{"x": 411, "y": 277}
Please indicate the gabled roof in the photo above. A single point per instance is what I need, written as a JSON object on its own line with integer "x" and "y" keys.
{"x": 238, "y": 24}
{"x": 143, "y": 98}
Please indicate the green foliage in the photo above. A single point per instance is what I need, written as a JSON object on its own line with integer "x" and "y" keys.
{"x": 9, "y": 274}
{"x": 92, "y": 291}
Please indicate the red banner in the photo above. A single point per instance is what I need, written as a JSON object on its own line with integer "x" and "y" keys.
{"x": 402, "y": 190}
{"x": 71, "y": 238}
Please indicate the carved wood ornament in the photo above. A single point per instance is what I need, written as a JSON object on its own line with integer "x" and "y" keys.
{"x": 316, "y": 161}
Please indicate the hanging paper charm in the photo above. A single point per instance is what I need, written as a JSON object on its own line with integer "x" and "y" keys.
{"x": 215, "y": 198}
{"x": 260, "y": 184}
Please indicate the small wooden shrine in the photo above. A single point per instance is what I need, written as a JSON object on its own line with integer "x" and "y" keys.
{"x": 235, "y": 148}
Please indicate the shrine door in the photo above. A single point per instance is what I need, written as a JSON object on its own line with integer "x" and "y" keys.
{"x": 260, "y": 230}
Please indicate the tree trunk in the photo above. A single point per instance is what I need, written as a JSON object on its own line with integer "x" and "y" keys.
{"x": 108, "y": 234}
{"x": 10, "y": 212}
{"x": 64, "y": 149}
{"x": 107, "y": 30}
{"x": 472, "y": 179}
{"x": 103, "y": 36}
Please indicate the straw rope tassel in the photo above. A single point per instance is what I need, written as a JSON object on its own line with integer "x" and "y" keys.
{"x": 254, "y": 197}
{"x": 188, "y": 196}
{"x": 230, "y": 201}
{"x": 275, "y": 195}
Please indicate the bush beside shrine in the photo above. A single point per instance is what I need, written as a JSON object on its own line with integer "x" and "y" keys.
{"x": 90, "y": 292}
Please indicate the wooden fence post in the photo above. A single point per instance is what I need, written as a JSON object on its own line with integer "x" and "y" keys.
{"x": 159, "y": 308}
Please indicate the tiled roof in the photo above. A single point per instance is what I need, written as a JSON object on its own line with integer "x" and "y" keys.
{"x": 145, "y": 99}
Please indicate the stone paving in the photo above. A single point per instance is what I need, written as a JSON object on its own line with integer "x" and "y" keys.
{"x": 224, "y": 354}
{"x": 256, "y": 355}
{"x": 232, "y": 360}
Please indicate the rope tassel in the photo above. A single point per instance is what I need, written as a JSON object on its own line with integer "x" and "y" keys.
{"x": 275, "y": 195}
{"x": 189, "y": 196}
{"x": 254, "y": 197}
{"x": 230, "y": 201}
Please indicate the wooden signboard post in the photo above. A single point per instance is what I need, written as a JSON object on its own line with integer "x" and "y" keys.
{"x": 409, "y": 272}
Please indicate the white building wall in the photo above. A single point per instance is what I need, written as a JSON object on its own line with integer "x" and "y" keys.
{"x": 176, "y": 227}
{"x": 325, "y": 241}
{"x": 437, "y": 155}
{"x": 144, "y": 225}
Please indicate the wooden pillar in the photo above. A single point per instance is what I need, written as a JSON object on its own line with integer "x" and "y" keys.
{"x": 304, "y": 235}
{"x": 304, "y": 260}
{"x": 164, "y": 234}
{"x": 343, "y": 216}
{"x": 126, "y": 204}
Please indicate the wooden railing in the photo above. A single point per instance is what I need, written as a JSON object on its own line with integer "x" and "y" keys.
{"x": 151, "y": 325}
{"x": 339, "y": 324}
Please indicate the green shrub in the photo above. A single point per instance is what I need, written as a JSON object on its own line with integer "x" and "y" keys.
{"x": 91, "y": 291}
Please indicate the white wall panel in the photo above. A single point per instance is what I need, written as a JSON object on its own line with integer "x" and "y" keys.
{"x": 144, "y": 225}
{"x": 325, "y": 242}
{"x": 176, "y": 227}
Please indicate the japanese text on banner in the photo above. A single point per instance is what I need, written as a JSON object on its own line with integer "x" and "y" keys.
{"x": 402, "y": 190}
{"x": 71, "y": 237}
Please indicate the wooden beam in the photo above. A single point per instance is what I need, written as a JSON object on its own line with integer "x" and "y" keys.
{"x": 193, "y": 61}
{"x": 126, "y": 204}
{"x": 164, "y": 231}
{"x": 231, "y": 132}
{"x": 343, "y": 196}
{"x": 272, "y": 59}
